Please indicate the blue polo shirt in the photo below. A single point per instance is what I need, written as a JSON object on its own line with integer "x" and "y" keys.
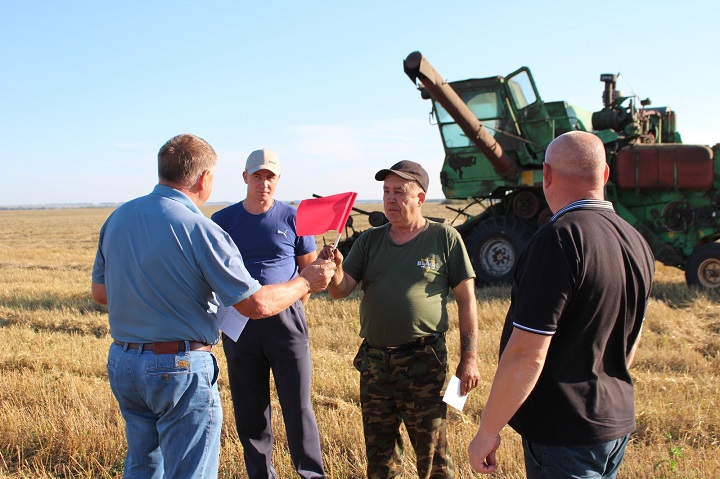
{"x": 160, "y": 260}
{"x": 268, "y": 241}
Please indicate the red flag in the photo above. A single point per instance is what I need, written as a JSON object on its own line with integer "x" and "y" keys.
{"x": 320, "y": 215}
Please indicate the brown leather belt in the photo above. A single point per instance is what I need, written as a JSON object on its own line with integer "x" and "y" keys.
{"x": 171, "y": 347}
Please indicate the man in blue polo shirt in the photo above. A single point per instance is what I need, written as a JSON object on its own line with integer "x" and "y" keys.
{"x": 577, "y": 307}
{"x": 274, "y": 253}
{"x": 158, "y": 263}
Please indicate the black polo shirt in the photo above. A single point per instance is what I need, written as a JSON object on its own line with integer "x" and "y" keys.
{"x": 583, "y": 278}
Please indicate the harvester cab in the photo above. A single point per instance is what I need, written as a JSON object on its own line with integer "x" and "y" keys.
{"x": 495, "y": 132}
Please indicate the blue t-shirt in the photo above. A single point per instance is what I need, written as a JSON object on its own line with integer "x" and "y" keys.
{"x": 267, "y": 241}
{"x": 160, "y": 260}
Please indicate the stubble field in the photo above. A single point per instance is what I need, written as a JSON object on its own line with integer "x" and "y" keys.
{"x": 59, "y": 418}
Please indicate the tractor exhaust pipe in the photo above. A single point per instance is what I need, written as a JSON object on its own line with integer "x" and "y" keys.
{"x": 418, "y": 68}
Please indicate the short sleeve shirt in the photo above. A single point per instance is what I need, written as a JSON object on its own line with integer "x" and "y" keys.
{"x": 268, "y": 242}
{"x": 160, "y": 260}
{"x": 583, "y": 278}
{"x": 405, "y": 287}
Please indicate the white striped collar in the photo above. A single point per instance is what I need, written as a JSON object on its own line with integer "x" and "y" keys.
{"x": 589, "y": 204}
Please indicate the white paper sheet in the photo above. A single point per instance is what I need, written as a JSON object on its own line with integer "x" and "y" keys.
{"x": 452, "y": 394}
{"x": 229, "y": 321}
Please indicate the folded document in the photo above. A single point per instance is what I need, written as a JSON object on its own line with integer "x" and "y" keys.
{"x": 229, "y": 321}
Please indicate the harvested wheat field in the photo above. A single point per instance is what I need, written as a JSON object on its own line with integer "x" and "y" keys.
{"x": 60, "y": 419}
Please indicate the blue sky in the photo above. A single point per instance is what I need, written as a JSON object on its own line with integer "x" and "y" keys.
{"x": 90, "y": 90}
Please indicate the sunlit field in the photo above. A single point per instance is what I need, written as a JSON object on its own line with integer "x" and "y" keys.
{"x": 59, "y": 418}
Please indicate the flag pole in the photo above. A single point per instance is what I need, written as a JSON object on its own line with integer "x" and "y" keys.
{"x": 337, "y": 241}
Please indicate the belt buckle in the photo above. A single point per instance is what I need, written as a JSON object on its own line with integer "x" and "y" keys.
{"x": 166, "y": 348}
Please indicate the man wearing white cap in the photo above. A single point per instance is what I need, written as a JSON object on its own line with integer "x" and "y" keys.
{"x": 264, "y": 231}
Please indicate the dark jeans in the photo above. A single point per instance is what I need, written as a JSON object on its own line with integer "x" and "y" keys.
{"x": 279, "y": 344}
{"x": 594, "y": 461}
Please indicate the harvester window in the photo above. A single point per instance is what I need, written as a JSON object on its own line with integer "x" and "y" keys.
{"x": 521, "y": 90}
{"x": 454, "y": 137}
{"x": 486, "y": 106}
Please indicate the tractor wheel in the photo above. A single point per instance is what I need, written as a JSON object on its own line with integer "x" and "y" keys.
{"x": 702, "y": 269}
{"x": 494, "y": 246}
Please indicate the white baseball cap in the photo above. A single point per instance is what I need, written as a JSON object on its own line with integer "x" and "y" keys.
{"x": 263, "y": 160}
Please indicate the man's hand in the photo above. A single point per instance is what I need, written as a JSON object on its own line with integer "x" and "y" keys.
{"x": 340, "y": 284}
{"x": 318, "y": 274}
{"x": 482, "y": 453}
{"x": 468, "y": 374}
{"x": 330, "y": 253}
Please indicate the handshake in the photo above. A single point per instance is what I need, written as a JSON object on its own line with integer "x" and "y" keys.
{"x": 271, "y": 299}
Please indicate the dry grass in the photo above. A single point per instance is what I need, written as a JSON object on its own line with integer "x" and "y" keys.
{"x": 60, "y": 419}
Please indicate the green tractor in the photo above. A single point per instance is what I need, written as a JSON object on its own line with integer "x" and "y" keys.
{"x": 495, "y": 132}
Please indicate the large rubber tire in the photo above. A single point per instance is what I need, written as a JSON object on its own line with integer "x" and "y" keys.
{"x": 494, "y": 246}
{"x": 702, "y": 269}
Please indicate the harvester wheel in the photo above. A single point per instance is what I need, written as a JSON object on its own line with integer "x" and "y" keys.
{"x": 525, "y": 205}
{"x": 494, "y": 246}
{"x": 702, "y": 269}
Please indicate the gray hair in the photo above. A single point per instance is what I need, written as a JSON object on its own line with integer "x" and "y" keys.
{"x": 183, "y": 158}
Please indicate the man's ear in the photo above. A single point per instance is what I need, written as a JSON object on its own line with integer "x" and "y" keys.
{"x": 245, "y": 177}
{"x": 547, "y": 175}
{"x": 421, "y": 197}
{"x": 204, "y": 180}
{"x": 199, "y": 183}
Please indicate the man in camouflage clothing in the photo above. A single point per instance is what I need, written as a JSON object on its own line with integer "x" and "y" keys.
{"x": 406, "y": 269}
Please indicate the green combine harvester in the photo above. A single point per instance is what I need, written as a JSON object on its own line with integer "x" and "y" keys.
{"x": 495, "y": 131}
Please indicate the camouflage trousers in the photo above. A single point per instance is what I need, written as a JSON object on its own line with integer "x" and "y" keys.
{"x": 404, "y": 387}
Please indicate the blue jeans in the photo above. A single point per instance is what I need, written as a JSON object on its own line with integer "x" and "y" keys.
{"x": 594, "y": 461}
{"x": 171, "y": 406}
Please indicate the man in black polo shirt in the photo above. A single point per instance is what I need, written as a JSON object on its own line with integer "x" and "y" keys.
{"x": 578, "y": 303}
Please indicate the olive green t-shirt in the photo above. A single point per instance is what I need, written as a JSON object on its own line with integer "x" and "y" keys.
{"x": 405, "y": 287}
